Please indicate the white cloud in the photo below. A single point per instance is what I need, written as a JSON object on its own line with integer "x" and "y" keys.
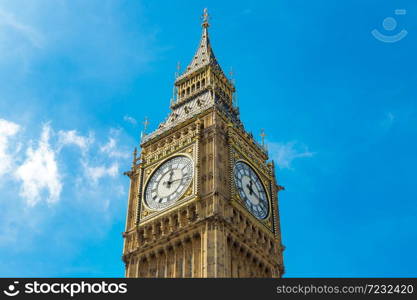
{"x": 7, "y": 130}
{"x": 112, "y": 155}
{"x": 112, "y": 150}
{"x": 98, "y": 172}
{"x": 39, "y": 172}
{"x": 285, "y": 153}
{"x": 106, "y": 161}
{"x": 71, "y": 137}
{"x": 130, "y": 120}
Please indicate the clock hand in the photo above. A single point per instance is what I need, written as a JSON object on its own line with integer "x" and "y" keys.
{"x": 179, "y": 179}
{"x": 252, "y": 191}
{"x": 170, "y": 182}
{"x": 170, "y": 178}
{"x": 249, "y": 186}
{"x": 257, "y": 196}
{"x": 260, "y": 200}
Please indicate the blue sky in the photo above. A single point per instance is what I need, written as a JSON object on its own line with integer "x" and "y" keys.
{"x": 338, "y": 106}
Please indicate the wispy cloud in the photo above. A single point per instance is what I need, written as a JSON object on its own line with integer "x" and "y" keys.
{"x": 130, "y": 120}
{"x": 53, "y": 169}
{"x": 7, "y": 131}
{"x": 71, "y": 137}
{"x": 285, "y": 153}
{"x": 112, "y": 150}
{"x": 39, "y": 172}
{"x": 95, "y": 173}
{"x": 9, "y": 21}
{"x": 75, "y": 32}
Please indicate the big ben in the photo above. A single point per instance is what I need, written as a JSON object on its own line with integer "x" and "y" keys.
{"x": 203, "y": 198}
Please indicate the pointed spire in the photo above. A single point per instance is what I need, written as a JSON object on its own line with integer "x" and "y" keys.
{"x": 145, "y": 126}
{"x": 174, "y": 88}
{"x": 233, "y": 81}
{"x": 204, "y": 54}
{"x": 263, "y": 145}
{"x": 263, "y": 135}
{"x": 135, "y": 155}
{"x": 178, "y": 69}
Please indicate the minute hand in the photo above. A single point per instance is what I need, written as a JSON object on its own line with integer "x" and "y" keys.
{"x": 179, "y": 179}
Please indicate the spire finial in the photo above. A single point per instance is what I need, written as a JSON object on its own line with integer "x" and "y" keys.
{"x": 135, "y": 155}
{"x": 233, "y": 81}
{"x": 205, "y": 18}
{"x": 178, "y": 69}
{"x": 174, "y": 89}
{"x": 145, "y": 126}
{"x": 263, "y": 135}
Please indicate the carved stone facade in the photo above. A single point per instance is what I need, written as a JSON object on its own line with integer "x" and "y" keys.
{"x": 208, "y": 231}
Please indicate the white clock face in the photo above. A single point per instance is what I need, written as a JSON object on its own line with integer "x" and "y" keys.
{"x": 169, "y": 182}
{"x": 251, "y": 190}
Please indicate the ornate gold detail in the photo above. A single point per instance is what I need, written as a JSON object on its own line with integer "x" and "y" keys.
{"x": 189, "y": 192}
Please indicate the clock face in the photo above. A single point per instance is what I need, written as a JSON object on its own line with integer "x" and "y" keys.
{"x": 251, "y": 190}
{"x": 169, "y": 182}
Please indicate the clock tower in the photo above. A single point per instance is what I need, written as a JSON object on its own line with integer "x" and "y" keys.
{"x": 203, "y": 198}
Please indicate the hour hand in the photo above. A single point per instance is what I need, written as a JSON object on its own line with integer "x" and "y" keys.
{"x": 249, "y": 186}
{"x": 168, "y": 183}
